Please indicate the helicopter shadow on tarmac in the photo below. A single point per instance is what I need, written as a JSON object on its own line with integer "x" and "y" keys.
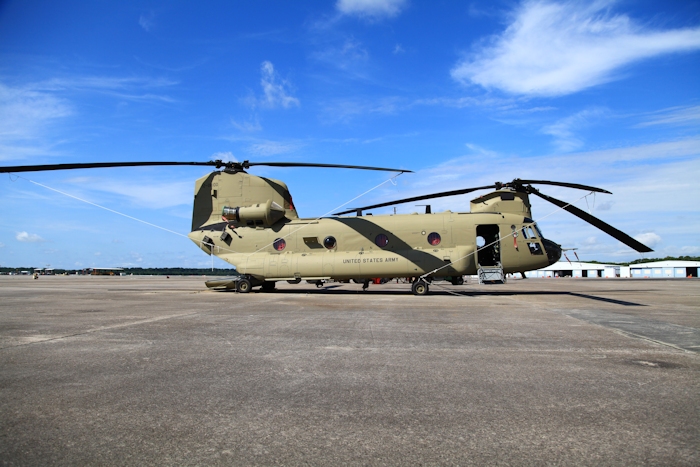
{"x": 337, "y": 290}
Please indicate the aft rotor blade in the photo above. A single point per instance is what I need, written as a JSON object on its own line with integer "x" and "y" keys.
{"x": 565, "y": 184}
{"x": 330, "y": 166}
{"x": 416, "y": 198}
{"x": 605, "y": 227}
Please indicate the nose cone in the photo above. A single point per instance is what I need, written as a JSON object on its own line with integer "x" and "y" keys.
{"x": 553, "y": 251}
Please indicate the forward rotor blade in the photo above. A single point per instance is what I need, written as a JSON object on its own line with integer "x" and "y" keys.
{"x": 605, "y": 227}
{"x": 565, "y": 184}
{"x": 237, "y": 166}
{"x": 416, "y": 198}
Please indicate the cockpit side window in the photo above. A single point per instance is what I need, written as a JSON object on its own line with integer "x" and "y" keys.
{"x": 531, "y": 234}
{"x": 535, "y": 248}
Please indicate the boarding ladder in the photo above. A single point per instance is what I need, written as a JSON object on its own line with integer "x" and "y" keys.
{"x": 491, "y": 274}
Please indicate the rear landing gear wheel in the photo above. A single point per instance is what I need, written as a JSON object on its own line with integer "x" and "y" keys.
{"x": 419, "y": 287}
{"x": 244, "y": 286}
{"x": 268, "y": 286}
{"x": 459, "y": 280}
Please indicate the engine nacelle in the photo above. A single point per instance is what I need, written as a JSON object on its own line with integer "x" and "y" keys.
{"x": 505, "y": 200}
{"x": 261, "y": 214}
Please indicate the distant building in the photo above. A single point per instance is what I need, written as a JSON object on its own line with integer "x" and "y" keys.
{"x": 576, "y": 269}
{"x": 44, "y": 272}
{"x": 660, "y": 269}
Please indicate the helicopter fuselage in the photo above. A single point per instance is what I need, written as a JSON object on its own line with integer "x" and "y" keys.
{"x": 412, "y": 245}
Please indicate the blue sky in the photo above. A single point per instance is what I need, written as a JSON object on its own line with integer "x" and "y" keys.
{"x": 602, "y": 93}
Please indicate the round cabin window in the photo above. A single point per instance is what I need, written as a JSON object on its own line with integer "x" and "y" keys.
{"x": 329, "y": 242}
{"x": 434, "y": 239}
{"x": 279, "y": 244}
{"x": 381, "y": 240}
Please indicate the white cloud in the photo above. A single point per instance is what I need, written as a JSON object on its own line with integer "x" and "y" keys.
{"x": 345, "y": 110}
{"x": 28, "y": 238}
{"x": 224, "y": 156}
{"x": 146, "y": 21}
{"x": 147, "y": 192}
{"x": 650, "y": 239}
{"x": 152, "y": 194}
{"x": 24, "y": 112}
{"x": 247, "y": 127}
{"x": 29, "y": 112}
{"x": 275, "y": 89}
{"x": 350, "y": 57}
{"x": 272, "y": 148}
{"x": 557, "y": 48}
{"x": 131, "y": 89}
{"x": 2, "y": 245}
{"x": 374, "y": 9}
{"x": 606, "y": 206}
{"x": 564, "y": 130}
{"x": 675, "y": 116}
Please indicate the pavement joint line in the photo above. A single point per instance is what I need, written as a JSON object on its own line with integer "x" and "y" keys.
{"x": 102, "y": 328}
{"x": 122, "y": 325}
{"x": 627, "y": 334}
{"x": 649, "y": 339}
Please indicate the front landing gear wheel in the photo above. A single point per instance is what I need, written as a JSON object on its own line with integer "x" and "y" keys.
{"x": 419, "y": 287}
{"x": 244, "y": 286}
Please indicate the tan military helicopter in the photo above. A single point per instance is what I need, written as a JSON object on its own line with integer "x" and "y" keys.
{"x": 251, "y": 223}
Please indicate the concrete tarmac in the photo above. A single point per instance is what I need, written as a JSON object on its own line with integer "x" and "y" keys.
{"x": 157, "y": 371}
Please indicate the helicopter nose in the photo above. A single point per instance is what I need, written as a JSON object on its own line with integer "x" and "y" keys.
{"x": 553, "y": 250}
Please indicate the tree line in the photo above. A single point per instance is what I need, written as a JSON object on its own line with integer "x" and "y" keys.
{"x": 136, "y": 271}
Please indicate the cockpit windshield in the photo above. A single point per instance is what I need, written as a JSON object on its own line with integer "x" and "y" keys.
{"x": 539, "y": 232}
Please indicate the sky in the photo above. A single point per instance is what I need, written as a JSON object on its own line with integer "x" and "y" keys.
{"x": 602, "y": 93}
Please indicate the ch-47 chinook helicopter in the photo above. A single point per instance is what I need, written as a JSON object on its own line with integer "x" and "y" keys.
{"x": 251, "y": 223}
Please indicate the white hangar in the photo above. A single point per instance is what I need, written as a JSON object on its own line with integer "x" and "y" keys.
{"x": 576, "y": 269}
{"x": 658, "y": 269}
{"x": 661, "y": 269}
